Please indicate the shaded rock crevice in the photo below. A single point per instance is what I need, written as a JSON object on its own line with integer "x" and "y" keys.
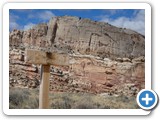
{"x": 51, "y": 32}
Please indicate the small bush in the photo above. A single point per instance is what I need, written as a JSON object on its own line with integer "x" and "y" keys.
{"x": 22, "y": 99}
{"x": 60, "y": 101}
{"x": 17, "y": 97}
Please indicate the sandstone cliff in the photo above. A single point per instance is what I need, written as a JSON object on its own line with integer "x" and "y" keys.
{"x": 73, "y": 34}
{"x": 103, "y": 58}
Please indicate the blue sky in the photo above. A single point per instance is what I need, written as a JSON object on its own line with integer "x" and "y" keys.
{"x": 126, "y": 18}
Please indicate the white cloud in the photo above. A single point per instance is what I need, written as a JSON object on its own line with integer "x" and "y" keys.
{"x": 28, "y": 26}
{"x": 13, "y": 18}
{"x": 137, "y": 23}
{"x": 46, "y": 15}
{"x": 30, "y": 16}
{"x": 41, "y": 16}
{"x": 13, "y": 22}
{"x": 13, "y": 25}
{"x": 113, "y": 11}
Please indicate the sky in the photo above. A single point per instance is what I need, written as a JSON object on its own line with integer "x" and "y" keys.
{"x": 133, "y": 19}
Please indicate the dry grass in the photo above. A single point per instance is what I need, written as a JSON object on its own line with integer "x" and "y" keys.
{"x": 28, "y": 99}
{"x": 23, "y": 98}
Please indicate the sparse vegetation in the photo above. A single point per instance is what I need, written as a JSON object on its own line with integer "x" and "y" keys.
{"x": 23, "y": 98}
{"x": 28, "y": 99}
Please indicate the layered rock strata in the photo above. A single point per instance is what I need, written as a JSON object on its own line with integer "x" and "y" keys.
{"x": 103, "y": 58}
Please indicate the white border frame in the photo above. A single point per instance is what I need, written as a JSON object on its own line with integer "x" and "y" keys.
{"x": 88, "y": 5}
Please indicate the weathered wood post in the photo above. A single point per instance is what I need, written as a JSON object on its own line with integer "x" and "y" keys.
{"x": 44, "y": 87}
{"x": 45, "y": 59}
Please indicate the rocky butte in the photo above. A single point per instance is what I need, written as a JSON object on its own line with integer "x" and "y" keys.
{"x": 103, "y": 58}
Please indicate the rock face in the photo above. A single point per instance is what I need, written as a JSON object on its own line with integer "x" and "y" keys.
{"x": 103, "y": 58}
{"x": 83, "y": 36}
{"x": 20, "y": 73}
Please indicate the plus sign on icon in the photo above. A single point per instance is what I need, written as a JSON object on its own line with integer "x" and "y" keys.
{"x": 147, "y": 99}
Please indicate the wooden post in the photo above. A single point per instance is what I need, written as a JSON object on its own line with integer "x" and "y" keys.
{"x": 44, "y": 88}
{"x": 45, "y": 59}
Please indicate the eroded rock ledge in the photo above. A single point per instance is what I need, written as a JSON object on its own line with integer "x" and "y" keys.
{"x": 103, "y": 58}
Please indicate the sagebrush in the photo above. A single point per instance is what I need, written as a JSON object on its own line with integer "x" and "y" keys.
{"x": 29, "y": 99}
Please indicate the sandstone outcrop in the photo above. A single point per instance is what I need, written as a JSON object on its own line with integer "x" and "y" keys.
{"x": 72, "y": 34}
{"x": 103, "y": 58}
